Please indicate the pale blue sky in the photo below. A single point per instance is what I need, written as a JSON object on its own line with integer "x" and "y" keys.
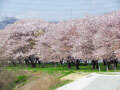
{"x": 56, "y": 9}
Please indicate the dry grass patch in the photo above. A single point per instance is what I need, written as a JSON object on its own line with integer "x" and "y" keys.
{"x": 41, "y": 81}
{"x": 7, "y": 78}
{"x": 74, "y": 76}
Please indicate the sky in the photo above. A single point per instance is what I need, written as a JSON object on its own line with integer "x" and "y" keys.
{"x": 54, "y": 10}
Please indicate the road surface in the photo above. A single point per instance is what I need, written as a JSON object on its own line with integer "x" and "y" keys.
{"x": 95, "y": 82}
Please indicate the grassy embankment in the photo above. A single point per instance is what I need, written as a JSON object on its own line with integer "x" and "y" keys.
{"x": 51, "y": 74}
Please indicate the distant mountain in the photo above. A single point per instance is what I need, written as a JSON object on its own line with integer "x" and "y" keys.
{"x": 6, "y": 21}
{"x": 53, "y": 21}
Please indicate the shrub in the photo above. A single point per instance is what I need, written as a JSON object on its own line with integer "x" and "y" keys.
{"x": 21, "y": 79}
{"x": 9, "y": 79}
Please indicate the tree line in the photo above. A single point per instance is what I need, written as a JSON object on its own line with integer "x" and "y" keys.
{"x": 91, "y": 38}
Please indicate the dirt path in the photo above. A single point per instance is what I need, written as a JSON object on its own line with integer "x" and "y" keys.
{"x": 74, "y": 76}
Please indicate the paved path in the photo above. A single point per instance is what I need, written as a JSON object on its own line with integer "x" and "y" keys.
{"x": 94, "y": 82}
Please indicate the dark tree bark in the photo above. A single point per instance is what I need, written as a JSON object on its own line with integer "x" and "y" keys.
{"x": 108, "y": 64}
{"x": 77, "y": 62}
{"x": 61, "y": 62}
{"x": 33, "y": 60}
{"x": 93, "y": 63}
{"x": 104, "y": 62}
{"x": 96, "y": 62}
{"x": 85, "y": 63}
{"x": 26, "y": 61}
{"x": 39, "y": 62}
{"x": 116, "y": 62}
{"x": 14, "y": 64}
{"x": 33, "y": 65}
{"x": 68, "y": 64}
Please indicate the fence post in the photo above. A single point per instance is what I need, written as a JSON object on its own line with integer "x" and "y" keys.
{"x": 99, "y": 68}
{"x": 107, "y": 68}
{"x": 115, "y": 69}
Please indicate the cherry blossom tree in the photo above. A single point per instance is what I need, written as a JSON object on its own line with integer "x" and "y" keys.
{"x": 90, "y": 38}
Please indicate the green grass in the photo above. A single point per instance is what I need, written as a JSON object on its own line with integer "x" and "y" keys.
{"x": 62, "y": 68}
{"x": 21, "y": 79}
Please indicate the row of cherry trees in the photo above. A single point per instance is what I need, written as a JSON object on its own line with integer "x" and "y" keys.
{"x": 89, "y": 38}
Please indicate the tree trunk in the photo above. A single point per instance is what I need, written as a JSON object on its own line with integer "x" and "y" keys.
{"x": 61, "y": 62}
{"x": 108, "y": 64}
{"x": 85, "y": 63}
{"x": 93, "y": 63}
{"x": 96, "y": 62}
{"x": 104, "y": 62}
{"x": 68, "y": 64}
{"x": 14, "y": 64}
{"x": 26, "y": 62}
{"x": 77, "y": 64}
{"x": 33, "y": 65}
{"x": 116, "y": 62}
